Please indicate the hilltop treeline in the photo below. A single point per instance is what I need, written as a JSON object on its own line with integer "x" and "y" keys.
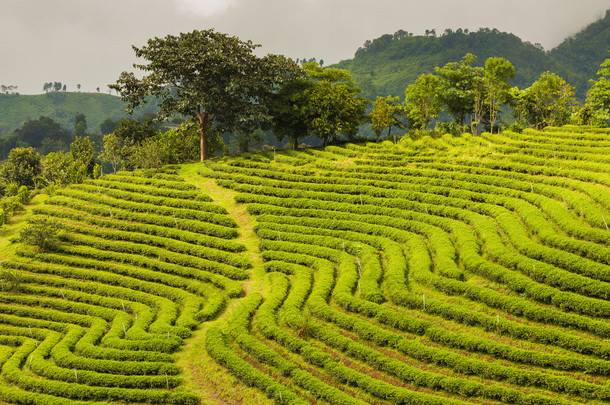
{"x": 389, "y": 63}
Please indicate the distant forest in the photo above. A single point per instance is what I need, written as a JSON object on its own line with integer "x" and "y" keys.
{"x": 388, "y": 64}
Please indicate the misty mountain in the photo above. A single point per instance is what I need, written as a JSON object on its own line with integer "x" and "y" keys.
{"x": 388, "y": 64}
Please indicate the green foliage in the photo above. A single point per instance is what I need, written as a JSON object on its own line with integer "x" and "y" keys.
{"x": 498, "y": 73}
{"x": 133, "y": 132}
{"x": 422, "y": 101}
{"x": 386, "y": 65}
{"x": 34, "y": 132}
{"x": 287, "y": 109}
{"x": 24, "y": 195}
{"x": 386, "y": 113}
{"x": 211, "y": 77}
{"x": 182, "y": 143}
{"x": 457, "y": 87}
{"x": 334, "y": 106}
{"x": 22, "y": 167}
{"x": 82, "y": 153}
{"x": 108, "y": 126}
{"x": 598, "y": 98}
{"x": 112, "y": 151}
{"x": 80, "y": 124}
{"x": 10, "y": 279}
{"x": 59, "y": 168}
{"x": 43, "y": 232}
{"x": 546, "y": 102}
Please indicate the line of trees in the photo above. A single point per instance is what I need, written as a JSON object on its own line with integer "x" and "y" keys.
{"x": 217, "y": 81}
{"x": 10, "y": 89}
{"x": 53, "y": 87}
{"x": 475, "y": 96}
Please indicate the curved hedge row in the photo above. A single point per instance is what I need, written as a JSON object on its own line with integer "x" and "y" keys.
{"x": 143, "y": 261}
{"x": 415, "y": 273}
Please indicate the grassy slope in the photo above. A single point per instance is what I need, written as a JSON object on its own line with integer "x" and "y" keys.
{"x": 202, "y": 375}
{"x": 61, "y": 107}
{"x": 11, "y": 230}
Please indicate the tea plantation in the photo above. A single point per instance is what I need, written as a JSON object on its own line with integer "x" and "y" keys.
{"x": 460, "y": 270}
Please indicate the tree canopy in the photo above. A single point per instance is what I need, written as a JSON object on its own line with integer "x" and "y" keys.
{"x": 213, "y": 77}
{"x": 547, "y": 101}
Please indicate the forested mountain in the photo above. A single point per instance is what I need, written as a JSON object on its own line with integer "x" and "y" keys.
{"x": 581, "y": 54}
{"x": 388, "y": 64}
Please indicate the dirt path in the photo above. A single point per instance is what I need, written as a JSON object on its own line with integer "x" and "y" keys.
{"x": 202, "y": 375}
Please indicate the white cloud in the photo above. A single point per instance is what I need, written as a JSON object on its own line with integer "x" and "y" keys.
{"x": 205, "y": 8}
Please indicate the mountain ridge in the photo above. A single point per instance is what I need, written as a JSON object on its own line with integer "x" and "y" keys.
{"x": 388, "y": 64}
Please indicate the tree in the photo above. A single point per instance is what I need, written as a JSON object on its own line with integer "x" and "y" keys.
{"x": 479, "y": 92}
{"x": 386, "y": 114}
{"x": 182, "y": 143}
{"x": 57, "y": 86}
{"x": 547, "y": 101}
{"x": 456, "y": 87}
{"x": 334, "y": 104}
{"x": 41, "y": 231}
{"x": 212, "y": 77}
{"x": 150, "y": 154}
{"x": 598, "y": 96}
{"x": 78, "y": 87}
{"x": 82, "y": 153}
{"x": 112, "y": 151}
{"x": 34, "y": 132}
{"x": 108, "y": 125}
{"x": 22, "y": 167}
{"x": 80, "y": 124}
{"x": 498, "y": 72}
{"x": 132, "y": 132}
{"x": 422, "y": 100}
{"x": 287, "y": 108}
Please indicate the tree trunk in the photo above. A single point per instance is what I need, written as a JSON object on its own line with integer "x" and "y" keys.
{"x": 295, "y": 141}
{"x": 202, "y": 144}
{"x": 204, "y": 120}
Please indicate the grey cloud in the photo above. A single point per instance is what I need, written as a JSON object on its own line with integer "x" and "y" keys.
{"x": 89, "y": 42}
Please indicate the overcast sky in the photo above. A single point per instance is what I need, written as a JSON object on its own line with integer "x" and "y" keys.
{"x": 88, "y": 42}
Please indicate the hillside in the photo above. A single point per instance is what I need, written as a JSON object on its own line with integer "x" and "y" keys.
{"x": 461, "y": 270}
{"x": 60, "y": 107}
{"x": 388, "y": 64}
{"x": 581, "y": 54}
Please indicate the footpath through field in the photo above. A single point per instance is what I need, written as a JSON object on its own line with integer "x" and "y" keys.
{"x": 202, "y": 373}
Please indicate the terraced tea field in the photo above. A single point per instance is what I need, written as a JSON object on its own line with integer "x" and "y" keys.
{"x": 471, "y": 270}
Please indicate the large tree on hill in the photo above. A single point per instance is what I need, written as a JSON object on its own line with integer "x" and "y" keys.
{"x": 212, "y": 77}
